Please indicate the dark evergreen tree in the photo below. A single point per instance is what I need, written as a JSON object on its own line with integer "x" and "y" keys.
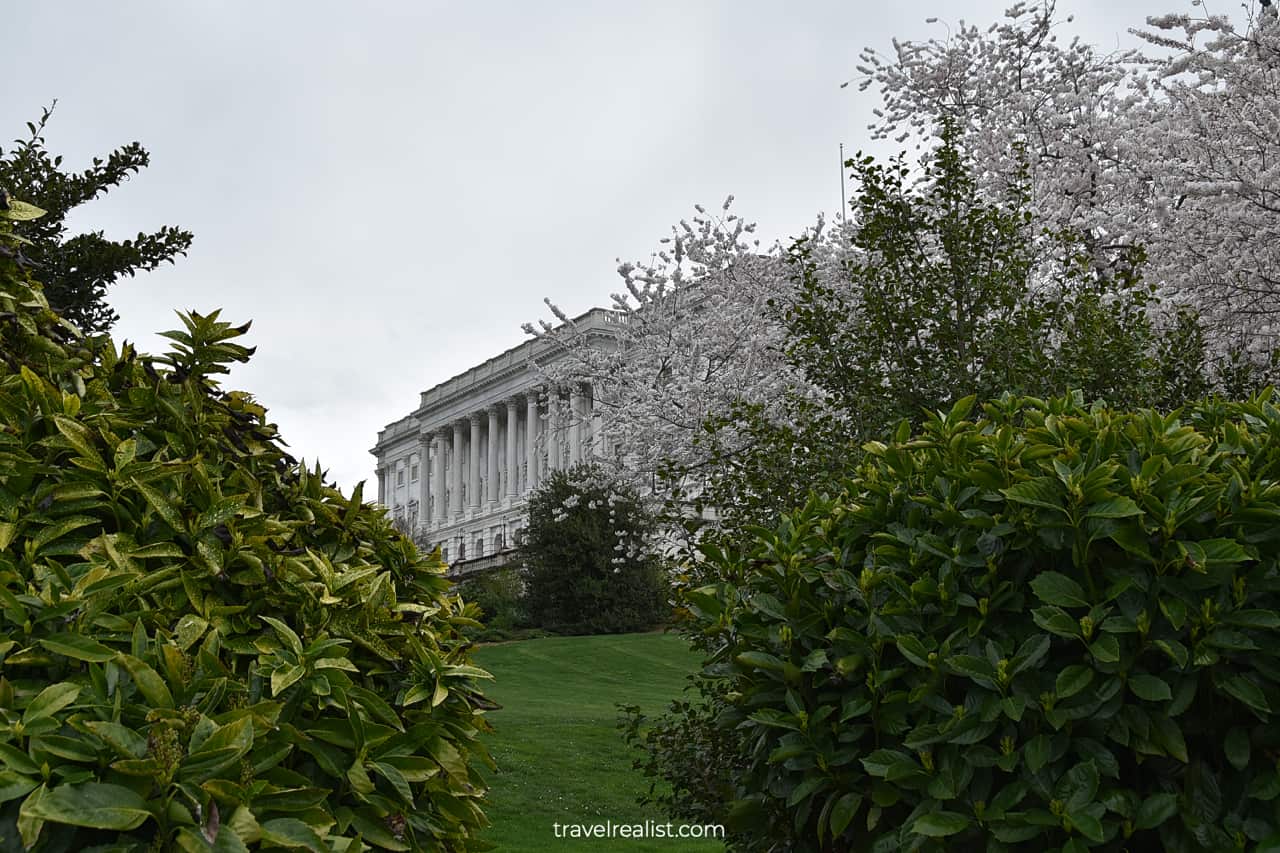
{"x": 590, "y": 558}
{"x": 77, "y": 270}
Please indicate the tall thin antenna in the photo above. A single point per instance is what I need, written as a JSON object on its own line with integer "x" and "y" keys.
{"x": 843, "y": 203}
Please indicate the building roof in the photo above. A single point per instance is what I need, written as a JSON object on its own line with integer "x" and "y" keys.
{"x": 490, "y": 378}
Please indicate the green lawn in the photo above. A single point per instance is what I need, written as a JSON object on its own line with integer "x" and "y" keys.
{"x": 560, "y": 757}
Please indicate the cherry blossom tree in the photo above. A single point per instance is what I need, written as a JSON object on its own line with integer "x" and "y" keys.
{"x": 1214, "y": 150}
{"x": 1027, "y": 110}
{"x": 699, "y": 328}
{"x": 1175, "y": 149}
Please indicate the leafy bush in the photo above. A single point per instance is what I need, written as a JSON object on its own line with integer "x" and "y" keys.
{"x": 587, "y": 553}
{"x": 1051, "y": 628}
{"x": 204, "y": 646}
{"x": 499, "y": 596}
{"x": 691, "y": 763}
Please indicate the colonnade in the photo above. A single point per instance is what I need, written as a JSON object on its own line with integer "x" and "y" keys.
{"x": 494, "y": 456}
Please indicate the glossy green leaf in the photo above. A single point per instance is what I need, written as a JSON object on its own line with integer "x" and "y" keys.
{"x": 1058, "y": 589}
{"x": 285, "y": 677}
{"x": 760, "y": 660}
{"x": 1056, "y": 621}
{"x": 1079, "y": 786}
{"x": 92, "y": 804}
{"x": 189, "y": 630}
{"x": 1166, "y": 734}
{"x": 940, "y": 824}
{"x": 162, "y": 505}
{"x": 1119, "y": 507}
{"x": 1106, "y": 649}
{"x": 1042, "y": 492}
{"x": 286, "y": 633}
{"x": 1236, "y": 748}
{"x": 1155, "y": 810}
{"x": 50, "y": 701}
{"x": 1072, "y": 680}
{"x": 1087, "y": 825}
{"x": 290, "y": 832}
{"x": 14, "y": 785}
{"x": 148, "y": 681}
{"x": 1037, "y": 752}
{"x": 125, "y": 741}
{"x": 1247, "y": 692}
{"x": 79, "y": 647}
{"x": 1264, "y": 619}
{"x": 21, "y": 211}
{"x": 843, "y": 812}
{"x": 1150, "y": 688}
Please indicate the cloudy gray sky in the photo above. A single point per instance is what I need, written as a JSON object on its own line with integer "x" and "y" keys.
{"x": 389, "y": 189}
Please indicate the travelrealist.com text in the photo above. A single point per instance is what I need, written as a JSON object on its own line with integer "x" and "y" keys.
{"x": 647, "y": 829}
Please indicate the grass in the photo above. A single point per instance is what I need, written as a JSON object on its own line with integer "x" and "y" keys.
{"x": 559, "y": 754}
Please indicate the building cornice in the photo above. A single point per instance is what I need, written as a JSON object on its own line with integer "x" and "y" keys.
{"x": 489, "y": 383}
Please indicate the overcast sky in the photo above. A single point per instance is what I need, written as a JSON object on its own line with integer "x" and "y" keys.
{"x": 389, "y": 189}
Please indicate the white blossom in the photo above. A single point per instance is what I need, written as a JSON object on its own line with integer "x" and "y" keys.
{"x": 1178, "y": 151}
{"x": 704, "y": 330}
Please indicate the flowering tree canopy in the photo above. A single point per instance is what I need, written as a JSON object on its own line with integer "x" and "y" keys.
{"x": 699, "y": 329}
{"x": 1176, "y": 150}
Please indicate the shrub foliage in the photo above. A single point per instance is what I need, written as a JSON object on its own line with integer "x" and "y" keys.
{"x": 499, "y": 598}
{"x": 203, "y": 646}
{"x": 1048, "y": 628}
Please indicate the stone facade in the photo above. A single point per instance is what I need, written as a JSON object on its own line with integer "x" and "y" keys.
{"x": 457, "y": 470}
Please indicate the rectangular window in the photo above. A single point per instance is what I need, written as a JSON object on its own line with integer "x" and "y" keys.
{"x": 413, "y": 473}
{"x": 400, "y": 477}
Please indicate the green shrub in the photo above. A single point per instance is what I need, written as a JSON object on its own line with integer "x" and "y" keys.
{"x": 204, "y": 647}
{"x": 692, "y": 764}
{"x": 588, "y": 556}
{"x": 1051, "y": 628}
{"x": 499, "y": 596}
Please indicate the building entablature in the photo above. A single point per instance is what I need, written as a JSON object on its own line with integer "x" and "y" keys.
{"x": 509, "y": 372}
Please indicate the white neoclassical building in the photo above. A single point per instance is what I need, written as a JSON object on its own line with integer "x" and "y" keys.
{"x": 456, "y": 471}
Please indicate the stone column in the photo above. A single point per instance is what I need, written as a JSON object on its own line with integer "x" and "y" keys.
{"x": 531, "y": 440}
{"x": 381, "y": 471}
{"x": 513, "y": 469}
{"x": 455, "y": 500}
{"x": 575, "y": 425}
{"x": 553, "y": 430}
{"x": 424, "y": 480}
{"x": 440, "y": 488}
{"x": 473, "y": 467}
{"x": 493, "y": 493}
